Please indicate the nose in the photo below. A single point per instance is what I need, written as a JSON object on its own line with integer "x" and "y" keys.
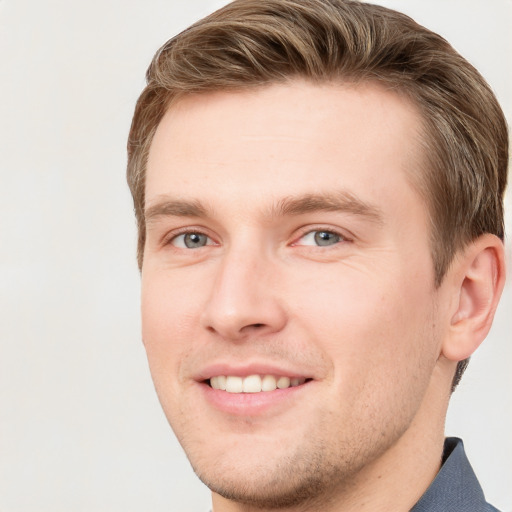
{"x": 244, "y": 299}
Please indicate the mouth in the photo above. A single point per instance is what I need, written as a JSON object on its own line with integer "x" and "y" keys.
{"x": 254, "y": 383}
{"x": 252, "y": 390}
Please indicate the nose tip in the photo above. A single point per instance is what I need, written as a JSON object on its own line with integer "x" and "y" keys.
{"x": 243, "y": 303}
{"x": 245, "y": 320}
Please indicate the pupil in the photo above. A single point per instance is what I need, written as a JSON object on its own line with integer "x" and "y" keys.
{"x": 193, "y": 240}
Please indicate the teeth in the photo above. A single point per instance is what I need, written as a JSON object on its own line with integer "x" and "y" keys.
{"x": 234, "y": 384}
{"x": 283, "y": 382}
{"x": 268, "y": 383}
{"x": 253, "y": 383}
{"x": 218, "y": 382}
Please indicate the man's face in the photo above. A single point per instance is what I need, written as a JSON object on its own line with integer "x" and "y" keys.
{"x": 285, "y": 243}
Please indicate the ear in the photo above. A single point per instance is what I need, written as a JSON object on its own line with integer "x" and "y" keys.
{"x": 478, "y": 276}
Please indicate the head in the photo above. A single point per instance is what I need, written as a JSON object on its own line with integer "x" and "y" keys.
{"x": 251, "y": 54}
{"x": 247, "y": 45}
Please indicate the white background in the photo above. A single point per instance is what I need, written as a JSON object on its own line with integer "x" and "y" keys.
{"x": 80, "y": 426}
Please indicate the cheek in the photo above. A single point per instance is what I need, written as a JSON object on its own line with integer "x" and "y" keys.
{"x": 382, "y": 350}
{"x": 169, "y": 304}
{"x": 168, "y": 324}
{"x": 372, "y": 327}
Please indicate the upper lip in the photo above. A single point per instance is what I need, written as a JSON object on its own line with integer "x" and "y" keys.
{"x": 244, "y": 370}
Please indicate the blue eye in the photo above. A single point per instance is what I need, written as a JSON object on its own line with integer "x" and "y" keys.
{"x": 191, "y": 241}
{"x": 321, "y": 238}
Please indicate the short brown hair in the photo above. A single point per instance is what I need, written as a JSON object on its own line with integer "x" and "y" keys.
{"x": 252, "y": 43}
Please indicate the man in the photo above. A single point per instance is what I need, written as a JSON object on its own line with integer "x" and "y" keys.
{"x": 318, "y": 186}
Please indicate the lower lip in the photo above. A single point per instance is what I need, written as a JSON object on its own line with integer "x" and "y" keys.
{"x": 252, "y": 404}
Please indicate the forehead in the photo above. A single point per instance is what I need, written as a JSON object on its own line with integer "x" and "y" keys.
{"x": 271, "y": 142}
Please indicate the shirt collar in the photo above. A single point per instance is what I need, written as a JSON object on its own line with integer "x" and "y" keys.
{"x": 455, "y": 487}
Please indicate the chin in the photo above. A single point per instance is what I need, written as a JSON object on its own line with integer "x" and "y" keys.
{"x": 283, "y": 486}
{"x": 277, "y": 477}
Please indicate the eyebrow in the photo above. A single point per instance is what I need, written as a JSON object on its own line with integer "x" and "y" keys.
{"x": 340, "y": 201}
{"x": 168, "y": 207}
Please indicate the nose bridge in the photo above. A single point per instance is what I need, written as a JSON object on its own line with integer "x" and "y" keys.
{"x": 243, "y": 299}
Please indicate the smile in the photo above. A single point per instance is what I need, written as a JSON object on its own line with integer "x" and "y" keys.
{"x": 254, "y": 383}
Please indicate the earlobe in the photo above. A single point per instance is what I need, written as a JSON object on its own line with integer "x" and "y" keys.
{"x": 480, "y": 277}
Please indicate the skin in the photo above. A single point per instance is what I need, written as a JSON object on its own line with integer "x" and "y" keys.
{"x": 360, "y": 317}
